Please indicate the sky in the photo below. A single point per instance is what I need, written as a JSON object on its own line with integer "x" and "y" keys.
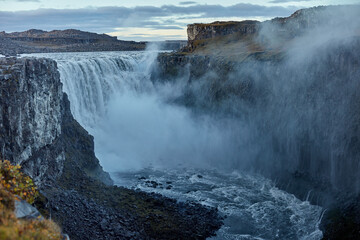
{"x": 142, "y": 20}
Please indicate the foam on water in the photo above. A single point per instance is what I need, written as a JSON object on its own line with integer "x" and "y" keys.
{"x": 254, "y": 207}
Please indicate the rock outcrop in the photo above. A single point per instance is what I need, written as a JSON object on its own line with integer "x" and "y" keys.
{"x": 199, "y": 31}
{"x": 31, "y": 117}
{"x": 200, "y": 34}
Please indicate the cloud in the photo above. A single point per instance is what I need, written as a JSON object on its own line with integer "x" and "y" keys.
{"x": 21, "y": 0}
{"x": 285, "y": 1}
{"x": 237, "y": 10}
{"x": 166, "y": 27}
{"x": 187, "y": 3}
{"x": 108, "y": 19}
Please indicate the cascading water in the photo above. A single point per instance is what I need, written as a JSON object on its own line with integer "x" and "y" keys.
{"x": 99, "y": 77}
{"x": 150, "y": 143}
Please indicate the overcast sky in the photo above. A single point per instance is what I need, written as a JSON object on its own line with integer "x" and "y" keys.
{"x": 141, "y": 20}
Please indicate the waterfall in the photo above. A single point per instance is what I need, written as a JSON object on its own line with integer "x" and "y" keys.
{"x": 92, "y": 81}
{"x": 133, "y": 122}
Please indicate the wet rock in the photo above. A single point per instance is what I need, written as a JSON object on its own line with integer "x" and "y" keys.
{"x": 26, "y": 211}
{"x": 7, "y": 76}
{"x": 152, "y": 184}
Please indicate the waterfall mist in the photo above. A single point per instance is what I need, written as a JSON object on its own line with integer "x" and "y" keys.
{"x": 295, "y": 113}
{"x": 135, "y": 123}
{"x": 142, "y": 131}
{"x": 298, "y": 113}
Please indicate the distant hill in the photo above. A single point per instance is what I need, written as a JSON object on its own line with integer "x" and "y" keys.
{"x": 58, "y": 34}
{"x": 70, "y": 40}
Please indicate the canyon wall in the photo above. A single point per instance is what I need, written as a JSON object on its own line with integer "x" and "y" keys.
{"x": 31, "y": 116}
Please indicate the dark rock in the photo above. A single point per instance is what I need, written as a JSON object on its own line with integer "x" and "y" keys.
{"x": 31, "y": 99}
{"x": 26, "y": 211}
{"x": 200, "y": 31}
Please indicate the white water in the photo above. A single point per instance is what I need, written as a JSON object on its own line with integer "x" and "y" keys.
{"x": 137, "y": 131}
{"x": 254, "y": 207}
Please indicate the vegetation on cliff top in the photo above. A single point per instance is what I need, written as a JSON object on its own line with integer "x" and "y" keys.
{"x": 223, "y": 23}
{"x": 14, "y": 185}
{"x": 17, "y": 183}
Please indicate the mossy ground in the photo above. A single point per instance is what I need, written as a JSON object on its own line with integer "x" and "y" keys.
{"x": 14, "y": 182}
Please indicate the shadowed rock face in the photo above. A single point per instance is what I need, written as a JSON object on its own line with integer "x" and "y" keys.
{"x": 31, "y": 117}
{"x": 36, "y": 122}
{"x": 198, "y": 31}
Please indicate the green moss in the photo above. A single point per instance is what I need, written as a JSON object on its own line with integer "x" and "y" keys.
{"x": 221, "y": 24}
{"x": 16, "y": 182}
